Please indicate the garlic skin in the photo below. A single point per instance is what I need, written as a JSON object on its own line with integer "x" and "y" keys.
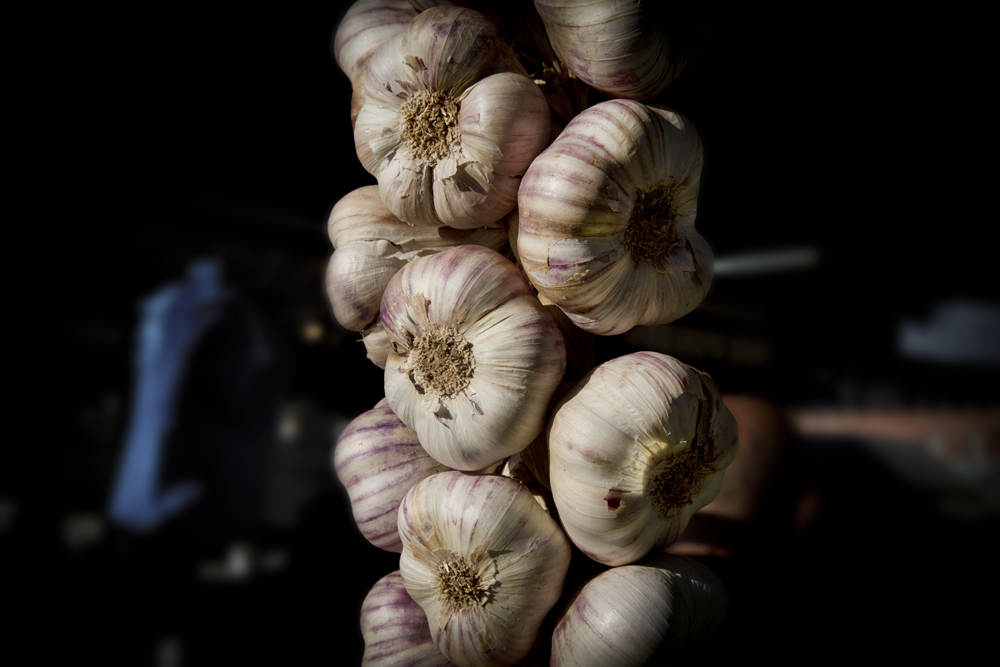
{"x": 450, "y": 121}
{"x": 371, "y": 244}
{"x": 649, "y": 613}
{"x": 395, "y": 629}
{"x": 636, "y": 447}
{"x": 622, "y": 48}
{"x": 475, "y": 357}
{"x": 606, "y": 219}
{"x": 485, "y": 563}
{"x": 376, "y": 344}
{"x": 378, "y": 459}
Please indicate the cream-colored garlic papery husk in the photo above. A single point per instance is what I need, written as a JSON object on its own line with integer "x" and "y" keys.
{"x": 622, "y": 48}
{"x": 606, "y": 219}
{"x": 484, "y": 561}
{"x": 475, "y": 357}
{"x": 376, "y": 344}
{"x": 395, "y": 630}
{"x": 371, "y": 244}
{"x": 378, "y": 459}
{"x": 650, "y": 613}
{"x": 450, "y": 121}
{"x": 366, "y": 25}
{"x": 636, "y": 447}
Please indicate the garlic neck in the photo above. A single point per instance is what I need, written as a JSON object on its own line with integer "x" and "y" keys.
{"x": 441, "y": 362}
{"x": 460, "y": 586}
{"x": 650, "y": 233}
{"x": 672, "y": 482}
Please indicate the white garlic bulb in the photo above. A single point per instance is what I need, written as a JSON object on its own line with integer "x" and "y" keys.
{"x": 484, "y": 561}
{"x": 475, "y": 357}
{"x": 450, "y": 121}
{"x": 378, "y": 459}
{"x": 635, "y": 448}
{"x": 622, "y": 48}
{"x": 649, "y": 613}
{"x": 606, "y": 219}
{"x": 371, "y": 244}
{"x": 395, "y": 629}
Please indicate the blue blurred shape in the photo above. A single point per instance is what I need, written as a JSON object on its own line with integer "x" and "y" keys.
{"x": 957, "y": 332}
{"x": 173, "y": 321}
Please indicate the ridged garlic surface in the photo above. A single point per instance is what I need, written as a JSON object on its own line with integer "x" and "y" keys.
{"x": 371, "y": 244}
{"x": 635, "y": 448}
{"x": 378, "y": 459}
{"x": 622, "y": 48}
{"x": 606, "y": 219}
{"x": 474, "y": 356}
{"x": 450, "y": 121}
{"x": 484, "y": 561}
{"x": 395, "y": 629}
{"x": 649, "y": 613}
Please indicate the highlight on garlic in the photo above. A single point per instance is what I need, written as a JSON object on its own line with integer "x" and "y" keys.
{"x": 484, "y": 561}
{"x": 474, "y": 356}
{"x": 649, "y": 613}
{"x": 371, "y": 244}
{"x": 635, "y": 448}
{"x": 622, "y": 48}
{"x": 606, "y": 219}
{"x": 378, "y": 459}
{"x": 450, "y": 121}
{"x": 395, "y": 629}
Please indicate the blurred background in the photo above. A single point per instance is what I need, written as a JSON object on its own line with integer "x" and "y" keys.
{"x": 181, "y": 507}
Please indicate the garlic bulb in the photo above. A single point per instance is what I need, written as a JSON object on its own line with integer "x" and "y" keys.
{"x": 649, "y": 613}
{"x": 378, "y": 459}
{"x": 606, "y": 219}
{"x": 622, "y": 48}
{"x": 450, "y": 121}
{"x": 395, "y": 628}
{"x": 635, "y": 448}
{"x": 365, "y": 26}
{"x": 475, "y": 357}
{"x": 485, "y": 563}
{"x": 371, "y": 244}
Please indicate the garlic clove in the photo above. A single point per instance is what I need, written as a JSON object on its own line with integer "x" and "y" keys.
{"x": 475, "y": 357}
{"x": 449, "y": 123}
{"x": 484, "y": 561}
{"x": 636, "y": 447}
{"x": 395, "y": 630}
{"x": 606, "y": 219}
{"x": 653, "y": 612}
{"x": 378, "y": 459}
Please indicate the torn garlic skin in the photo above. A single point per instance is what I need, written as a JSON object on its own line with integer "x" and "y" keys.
{"x": 450, "y": 122}
{"x": 474, "y": 357}
{"x": 484, "y": 561}
{"x": 636, "y": 448}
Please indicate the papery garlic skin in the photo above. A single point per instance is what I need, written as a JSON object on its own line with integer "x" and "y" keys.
{"x": 475, "y": 357}
{"x": 638, "y": 446}
{"x": 377, "y": 344}
{"x": 649, "y": 613}
{"x": 395, "y": 629}
{"x": 484, "y": 561}
{"x": 606, "y": 219}
{"x": 622, "y": 48}
{"x": 450, "y": 121}
{"x": 378, "y": 459}
{"x": 371, "y": 244}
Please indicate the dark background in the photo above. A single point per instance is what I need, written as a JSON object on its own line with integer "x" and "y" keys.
{"x": 178, "y": 132}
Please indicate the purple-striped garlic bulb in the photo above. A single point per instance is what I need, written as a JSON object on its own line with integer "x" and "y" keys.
{"x": 636, "y": 447}
{"x": 622, "y": 48}
{"x": 450, "y": 122}
{"x": 474, "y": 356}
{"x": 395, "y": 629}
{"x": 484, "y": 561}
{"x": 606, "y": 219}
{"x": 371, "y": 244}
{"x": 649, "y": 613}
{"x": 378, "y": 459}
